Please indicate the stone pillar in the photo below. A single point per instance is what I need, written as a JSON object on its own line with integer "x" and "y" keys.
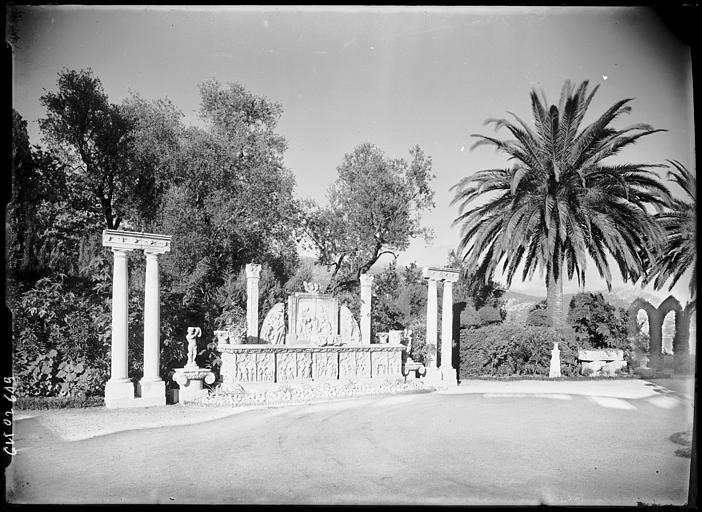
{"x": 447, "y": 367}
{"x": 432, "y": 322}
{"x": 253, "y": 274}
{"x": 151, "y": 385}
{"x": 119, "y": 388}
{"x": 366, "y": 298}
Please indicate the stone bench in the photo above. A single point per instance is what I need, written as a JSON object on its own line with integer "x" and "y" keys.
{"x": 410, "y": 366}
{"x": 601, "y": 362}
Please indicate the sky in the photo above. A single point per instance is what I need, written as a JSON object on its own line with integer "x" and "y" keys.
{"x": 394, "y": 76}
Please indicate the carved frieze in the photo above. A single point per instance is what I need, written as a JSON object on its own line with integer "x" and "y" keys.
{"x": 441, "y": 274}
{"x": 326, "y": 365}
{"x": 131, "y": 240}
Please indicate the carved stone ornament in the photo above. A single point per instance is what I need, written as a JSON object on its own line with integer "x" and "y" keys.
{"x": 273, "y": 328}
{"x": 441, "y": 274}
{"x": 132, "y": 240}
{"x": 311, "y": 287}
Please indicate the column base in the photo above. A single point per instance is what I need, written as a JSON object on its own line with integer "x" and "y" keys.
{"x": 449, "y": 377}
{"x": 119, "y": 393}
{"x": 152, "y": 392}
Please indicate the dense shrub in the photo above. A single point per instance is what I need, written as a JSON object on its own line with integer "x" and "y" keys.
{"x": 597, "y": 322}
{"x": 512, "y": 349}
{"x": 60, "y": 340}
{"x": 57, "y": 402}
{"x": 538, "y": 315}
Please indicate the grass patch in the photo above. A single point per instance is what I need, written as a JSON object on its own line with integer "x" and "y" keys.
{"x": 57, "y": 402}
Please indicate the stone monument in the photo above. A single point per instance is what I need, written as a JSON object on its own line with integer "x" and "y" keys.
{"x": 447, "y": 373}
{"x": 151, "y": 389}
{"x": 314, "y": 338}
{"x": 555, "y": 369}
{"x": 191, "y": 377}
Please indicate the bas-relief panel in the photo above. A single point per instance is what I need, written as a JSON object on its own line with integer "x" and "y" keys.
{"x": 326, "y": 365}
{"x": 315, "y": 322}
{"x": 348, "y": 329}
{"x": 294, "y": 366}
{"x": 273, "y": 328}
{"x": 265, "y": 367}
{"x": 354, "y": 365}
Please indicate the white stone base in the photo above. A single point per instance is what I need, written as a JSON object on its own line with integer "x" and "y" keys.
{"x": 192, "y": 391}
{"x": 118, "y": 393}
{"x": 153, "y": 392}
{"x": 449, "y": 377}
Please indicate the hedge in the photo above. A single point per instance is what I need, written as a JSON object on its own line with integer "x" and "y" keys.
{"x": 511, "y": 349}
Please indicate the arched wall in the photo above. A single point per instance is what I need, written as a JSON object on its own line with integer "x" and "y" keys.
{"x": 681, "y": 339}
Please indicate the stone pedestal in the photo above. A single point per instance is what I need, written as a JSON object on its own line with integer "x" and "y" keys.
{"x": 190, "y": 380}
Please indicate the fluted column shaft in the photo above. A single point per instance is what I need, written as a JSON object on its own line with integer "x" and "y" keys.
{"x": 447, "y": 327}
{"x": 152, "y": 319}
{"x": 253, "y": 273}
{"x": 120, "y": 317}
{"x": 366, "y": 298}
{"x": 432, "y": 321}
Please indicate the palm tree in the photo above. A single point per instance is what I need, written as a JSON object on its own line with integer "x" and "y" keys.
{"x": 559, "y": 201}
{"x": 678, "y": 222}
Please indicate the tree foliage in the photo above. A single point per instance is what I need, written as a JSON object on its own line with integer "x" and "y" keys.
{"x": 561, "y": 201}
{"x": 679, "y": 222}
{"x": 597, "y": 322}
{"x": 93, "y": 136}
{"x": 374, "y": 209}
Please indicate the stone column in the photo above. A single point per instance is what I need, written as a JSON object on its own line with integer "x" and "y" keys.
{"x": 253, "y": 274}
{"x": 432, "y": 322}
{"x": 447, "y": 370}
{"x": 366, "y": 298}
{"x": 151, "y": 385}
{"x": 119, "y": 388}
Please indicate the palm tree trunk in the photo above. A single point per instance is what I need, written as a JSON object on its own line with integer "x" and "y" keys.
{"x": 554, "y": 298}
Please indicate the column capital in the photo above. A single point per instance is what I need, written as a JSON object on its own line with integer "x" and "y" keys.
{"x": 253, "y": 271}
{"x": 366, "y": 279}
{"x": 152, "y": 255}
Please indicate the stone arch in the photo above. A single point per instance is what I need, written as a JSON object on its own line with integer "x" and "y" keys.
{"x": 656, "y": 316}
{"x": 681, "y": 340}
{"x": 668, "y": 305}
{"x": 633, "y": 312}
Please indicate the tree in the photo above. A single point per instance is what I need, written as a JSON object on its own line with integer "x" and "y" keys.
{"x": 94, "y": 135}
{"x": 679, "y": 223}
{"x": 374, "y": 209}
{"x": 597, "y": 322}
{"x": 229, "y": 199}
{"x": 559, "y": 201}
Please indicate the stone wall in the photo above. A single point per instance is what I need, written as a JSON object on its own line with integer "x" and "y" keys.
{"x": 281, "y": 363}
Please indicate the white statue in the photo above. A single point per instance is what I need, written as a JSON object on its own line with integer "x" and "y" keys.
{"x": 555, "y": 369}
{"x": 193, "y": 334}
